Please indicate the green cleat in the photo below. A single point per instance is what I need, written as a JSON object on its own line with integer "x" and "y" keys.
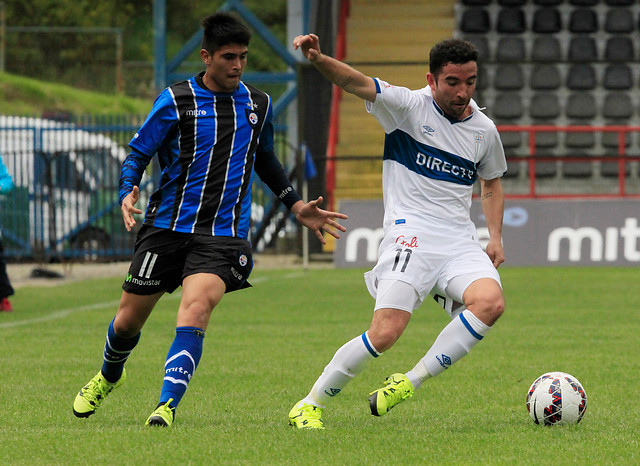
{"x": 397, "y": 388}
{"x": 163, "y": 415}
{"x": 306, "y": 416}
{"x": 93, "y": 394}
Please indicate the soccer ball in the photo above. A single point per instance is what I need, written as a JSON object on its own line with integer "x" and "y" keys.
{"x": 556, "y": 398}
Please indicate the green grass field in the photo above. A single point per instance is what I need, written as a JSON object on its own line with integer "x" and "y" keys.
{"x": 266, "y": 346}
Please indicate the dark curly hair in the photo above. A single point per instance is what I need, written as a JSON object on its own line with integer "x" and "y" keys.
{"x": 451, "y": 51}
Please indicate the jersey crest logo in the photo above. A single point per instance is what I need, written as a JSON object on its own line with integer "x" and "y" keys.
{"x": 252, "y": 117}
{"x": 243, "y": 260}
{"x": 478, "y": 138}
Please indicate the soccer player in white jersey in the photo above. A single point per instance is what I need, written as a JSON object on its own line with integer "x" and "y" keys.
{"x": 437, "y": 145}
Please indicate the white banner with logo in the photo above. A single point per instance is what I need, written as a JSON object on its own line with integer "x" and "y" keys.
{"x": 535, "y": 232}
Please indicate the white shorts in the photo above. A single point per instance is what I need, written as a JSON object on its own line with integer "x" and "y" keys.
{"x": 433, "y": 262}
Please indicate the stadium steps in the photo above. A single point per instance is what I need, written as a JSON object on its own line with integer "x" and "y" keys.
{"x": 391, "y": 42}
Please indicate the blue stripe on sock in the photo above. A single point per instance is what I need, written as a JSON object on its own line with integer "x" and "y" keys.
{"x": 469, "y": 327}
{"x": 367, "y": 345}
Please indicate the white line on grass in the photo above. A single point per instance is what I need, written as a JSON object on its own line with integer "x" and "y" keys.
{"x": 90, "y": 307}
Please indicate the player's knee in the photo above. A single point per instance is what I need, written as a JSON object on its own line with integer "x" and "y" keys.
{"x": 488, "y": 306}
{"x": 491, "y": 308}
{"x": 384, "y": 338}
{"x": 126, "y": 328}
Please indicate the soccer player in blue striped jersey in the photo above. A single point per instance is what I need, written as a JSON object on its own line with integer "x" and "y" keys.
{"x": 437, "y": 145}
{"x": 210, "y": 134}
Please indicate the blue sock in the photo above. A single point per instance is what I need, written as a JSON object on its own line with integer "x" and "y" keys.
{"x": 182, "y": 361}
{"x": 116, "y": 352}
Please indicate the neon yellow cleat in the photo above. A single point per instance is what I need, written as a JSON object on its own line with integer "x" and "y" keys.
{"x": 306, "y": 416}
{"x": 93, "y": 394}
{"x": 397, "y": 389}
{"x": 163, "y": 415}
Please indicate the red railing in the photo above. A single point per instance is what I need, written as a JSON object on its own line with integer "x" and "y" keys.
{"x": 533, "y": 158}
{"x": 334, "y": 117}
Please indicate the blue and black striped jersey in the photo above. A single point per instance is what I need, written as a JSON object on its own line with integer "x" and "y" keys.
{"x": 206, "y": 143}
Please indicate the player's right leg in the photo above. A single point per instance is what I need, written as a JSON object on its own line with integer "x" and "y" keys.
{"x": 386, "y": 327}
{"x": 346, "y": 363}
{"x": 123, "y": 335}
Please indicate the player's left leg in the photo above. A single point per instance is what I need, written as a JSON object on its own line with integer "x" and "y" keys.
{"x": 483, "y": 306}
{"x": 213, "y": 266}
{"x": 201, "y": 293}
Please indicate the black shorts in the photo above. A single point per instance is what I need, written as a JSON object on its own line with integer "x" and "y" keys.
{"x": 163, "y": 258}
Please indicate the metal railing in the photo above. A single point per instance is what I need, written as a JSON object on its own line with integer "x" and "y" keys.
{"x": 64, "y": 205}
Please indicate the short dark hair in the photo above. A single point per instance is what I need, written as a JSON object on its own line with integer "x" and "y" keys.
{"x": 222, "y": 29}
{"x": 456, "y": 51}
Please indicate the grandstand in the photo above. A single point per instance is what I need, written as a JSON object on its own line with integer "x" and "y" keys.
{"x": 557, "y": 76}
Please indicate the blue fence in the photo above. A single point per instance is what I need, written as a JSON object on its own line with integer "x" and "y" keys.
{"x": 65, "y": 202}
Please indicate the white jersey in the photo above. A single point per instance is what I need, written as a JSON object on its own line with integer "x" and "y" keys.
{"x": 430, "y": 161}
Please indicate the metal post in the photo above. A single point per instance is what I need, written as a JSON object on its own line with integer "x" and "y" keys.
{"x": 3, "y": 34}
{"x": 119, "y": 74}
{"x": 159, "y": 44}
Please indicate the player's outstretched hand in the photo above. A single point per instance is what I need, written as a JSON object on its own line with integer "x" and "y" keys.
{"x": 309, "y": 45}
{"x": 317, "y": 219}
{"x": 128, "y": 208}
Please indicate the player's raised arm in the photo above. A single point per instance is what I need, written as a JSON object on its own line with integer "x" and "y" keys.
{"x": 341, "y": 74}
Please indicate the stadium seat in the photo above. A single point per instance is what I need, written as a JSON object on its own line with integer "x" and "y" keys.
{"x": 619, "y": 49}
{"x": 581, "y": 76}
{"x": 582, "y": 49}
{"x": 545, "y": 169}
{"x": 583, "y": 21}
{"x": 482, "y": 81}
{"x": 619, "y": 2}
{"x": 510, "y": 139}
{"x": 510, "y": 49}
{"x": 476, "y": 2}
{"x": 475, "y": 21}
{"x": 619, "y": 21}
{"x": 512, "y": 2}
{"x": 578, "y": 168}
{"x": 511, "y": 21}
{"x": 482, "y": 44}
{"x": 544, "y": 106}
{"x": 546, "y": 139}
{"x": 581, "y": 106}
{"x": 508, "y": 76}
{"x": 618, "y": 76}
{"x": 546, "y": 49}
{"x": 618, "y": 106}
{"x": 513, "y": 168}
{"x": 548, "y": 2}
{"x": 580, "y": 140}
{"x": 610, "y": 169}
{"x": 610, "y": 140}
{"x": 508, "y": 106}
{"x": 545, "y": 76}
{"x": 584, "y": 2}
{"x": 546, "y": 21}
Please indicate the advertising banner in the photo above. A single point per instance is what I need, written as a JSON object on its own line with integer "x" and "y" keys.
{"x": 535, "y": 232}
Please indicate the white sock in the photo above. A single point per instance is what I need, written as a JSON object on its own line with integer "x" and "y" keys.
{"x": 418, "y": 374}
{"x": 348, "y": 362}
{"x": 453, "y": 343}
